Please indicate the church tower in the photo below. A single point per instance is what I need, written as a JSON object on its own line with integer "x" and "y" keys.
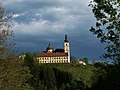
{"x": 66, "y": 47}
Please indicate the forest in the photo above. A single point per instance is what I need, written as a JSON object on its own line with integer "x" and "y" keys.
{"x": 28, "y": 74}
{"x": 71, "y": 76}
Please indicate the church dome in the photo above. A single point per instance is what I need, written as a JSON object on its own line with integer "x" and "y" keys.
{"x": 49, "y": 48}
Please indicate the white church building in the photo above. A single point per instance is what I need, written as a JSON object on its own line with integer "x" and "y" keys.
{"x": 55, "y": 56}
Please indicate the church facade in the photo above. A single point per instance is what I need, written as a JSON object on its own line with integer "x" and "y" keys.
{"x": 55, "y": 56}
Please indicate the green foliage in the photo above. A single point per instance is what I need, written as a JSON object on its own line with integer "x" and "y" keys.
{"x": 73, "y": 59}
{"x": 85, "y": 59}
{"x": 73, "y": 77}
{"x": 12, "y": 73}
{"x": 108, "y": 26}
{"x": 43, "y": 77}
{"x": 25, "y": 87}
{"x": 61, "y": 77}
{"x": 107, "y": 78}
{"x": 107, "y": 14}
{"x": 29, "y": 60}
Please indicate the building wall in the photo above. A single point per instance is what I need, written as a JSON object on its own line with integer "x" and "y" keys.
{"x": 62, "y": 59}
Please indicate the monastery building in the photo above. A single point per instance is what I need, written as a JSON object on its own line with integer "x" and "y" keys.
{"x": 55, "y": 56}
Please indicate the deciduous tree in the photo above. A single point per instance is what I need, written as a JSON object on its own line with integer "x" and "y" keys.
{"x": 107, "y": 29}
{"x": 5, "y": 33}
{"x": 12, "y": 72}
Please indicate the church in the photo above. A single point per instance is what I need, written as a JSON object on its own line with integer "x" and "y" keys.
{"x": 55, "y": 56}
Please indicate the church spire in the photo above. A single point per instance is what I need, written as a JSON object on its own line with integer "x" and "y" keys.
{"x": 49, "y": 45}
{"x": 66, "y": 38}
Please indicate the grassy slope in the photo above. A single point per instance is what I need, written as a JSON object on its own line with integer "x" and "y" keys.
{"x": 78, "y": 72}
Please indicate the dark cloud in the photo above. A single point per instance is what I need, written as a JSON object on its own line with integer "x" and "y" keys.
{"x": 38, "y": 22}
{"x": 20, "y": 6}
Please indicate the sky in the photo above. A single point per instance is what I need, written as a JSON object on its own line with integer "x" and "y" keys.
{"x": 39, "y": 22}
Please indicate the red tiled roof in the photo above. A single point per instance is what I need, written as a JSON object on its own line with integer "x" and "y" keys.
{"x": 43, "y": 54}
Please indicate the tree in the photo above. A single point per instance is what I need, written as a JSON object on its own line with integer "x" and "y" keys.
{"x": 29, "y": 60}
{"x": 107, "y": 27}
{"x": 13, "y": 74}
{"x": 85, "y": 59}
{"x": 5, "y": 33}
{"x": 73, "y": 59}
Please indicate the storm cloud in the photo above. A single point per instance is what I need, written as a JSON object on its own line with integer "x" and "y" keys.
{"x": 38, "y": 22}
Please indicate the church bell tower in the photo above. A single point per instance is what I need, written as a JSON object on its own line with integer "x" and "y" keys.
{"x": 66, "y": 47}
